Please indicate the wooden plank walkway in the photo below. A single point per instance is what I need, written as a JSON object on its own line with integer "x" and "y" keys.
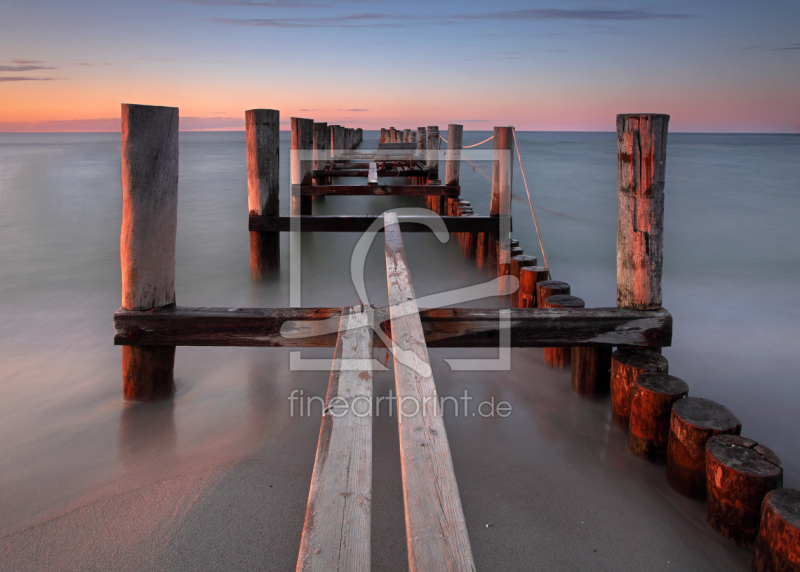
{"x": 336, "y": 534}
{"x": 436, "y": 532}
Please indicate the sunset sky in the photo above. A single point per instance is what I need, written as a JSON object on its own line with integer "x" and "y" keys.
{"x": 714, "y": 65}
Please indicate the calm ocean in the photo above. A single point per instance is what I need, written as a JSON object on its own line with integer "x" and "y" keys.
{"x": 731, "y": 281}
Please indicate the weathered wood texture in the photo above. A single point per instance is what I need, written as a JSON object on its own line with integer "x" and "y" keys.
{"x": 642, "y": 143}
{"x": 444, "y": 327}
{"x": 693, "y": 422}
{"x": 547, "y": 288}
{"x": 590, "y": 371}
{"x": 626, "y": 365}
{"x": 651, "y": 408}
{"x": 453, "y": 158}
{"x": 336, "y": 535}
{"x": 502, "y": 172}
{"x": 149, "y": 155}
{"x": 439, "y": 190}
{"x": 516, "y": 264}
{"x": 422, "y": 141}
{"x": 739, "y": 474}
{"x": 360, "y": 223}
{"x": 263, "y": 197}
{"x": 529, "y": 277}
{"x": 360, "y": 173}
{"x": 302, "y": 164}
{"x": 432, "y": 148}
{"x": 559, "y": 357}
{"x": 398, "y": 146}
{"x": 435, "y": 528}
{"x": 777, "y": 548}
{"x": 321, "y": 152}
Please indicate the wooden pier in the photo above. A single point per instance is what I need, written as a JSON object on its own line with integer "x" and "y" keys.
{"x": 336, "y": 534}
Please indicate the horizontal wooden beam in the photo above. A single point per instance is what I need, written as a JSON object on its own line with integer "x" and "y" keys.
{"x": 443, "y": 327}
{"x": 360, "y": 223}
{"x": 380, "y": 189}
{"x": 364, "y": 173}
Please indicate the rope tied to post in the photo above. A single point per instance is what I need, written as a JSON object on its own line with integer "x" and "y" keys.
{"x": 530, "y": 202}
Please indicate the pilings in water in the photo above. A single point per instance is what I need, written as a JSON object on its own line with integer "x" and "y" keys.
{"x": 642, "y": 155}
{"x": 263, "y": 196}
{"x": 149, "y": 156}
{"x": 301, "y": 164}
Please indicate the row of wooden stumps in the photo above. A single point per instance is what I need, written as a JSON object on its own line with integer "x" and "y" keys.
{"x": 392, "y": 135}
{"x": 698, "y": 439}
{"x": 322, "y": 142}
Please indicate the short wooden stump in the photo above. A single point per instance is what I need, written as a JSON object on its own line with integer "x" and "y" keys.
{"x": 529, "y": 276}
{"x": 559, "y": 357}
{"x": 694, "y": 421}
{"x": 778, "y": 542}
{"x": 651, "y": 408}
{"x": 739, "y": 474}
{"x": 590, "y": 371}
{"x": 626, "y": 365}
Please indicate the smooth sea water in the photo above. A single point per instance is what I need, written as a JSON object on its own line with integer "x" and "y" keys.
{"x": 89, "y": 482}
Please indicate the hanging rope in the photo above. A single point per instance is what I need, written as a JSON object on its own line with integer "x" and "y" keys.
{"x": 536, "y": 224}
{"x": 481, "y": 143}
{"x": 469, "y": 146}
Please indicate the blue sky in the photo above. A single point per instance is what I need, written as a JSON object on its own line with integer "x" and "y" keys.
{"x": 712, "y": 65}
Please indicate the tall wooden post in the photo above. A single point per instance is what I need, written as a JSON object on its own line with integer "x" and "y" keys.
{"x": 502, "y": 175}
{"x": 422, "y": 141}
{"x": 642, "y": 146}
{"x": 392, "y": 135}
{"x": 262, "y": 127}
{"x": 453, "y": 166}
{"x": 321, "y": 143}
{"x": 332, "y": 145}
{"x": 302, "y": 150}
{"x": 433, "y": 150}
{"x": 149, "y": 156}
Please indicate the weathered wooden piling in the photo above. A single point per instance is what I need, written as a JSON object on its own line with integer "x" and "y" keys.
{"x": 590, "y": 374}
{"x": 392, "y": 135}
{"x": 432, "y": 148}
{"x": 651, "y": 408}
{"x": 529, "y": 276}
{"x": 263, "y": 196}
{"x": 149, "y": 154}
{"x": 693, "y": 422}
{"x": 321, "y": 154}
{"x": 777, "y": 547}
{"x": 422, "y": 141}
{"x": 302, "y": 164}
{"x": 642, "y": 146}
{"x": 516, "y": 264}
{"x": 626, "y": 365}
{"x": 453, "y": 158}
{"x": 560, "y": 357}
{"x": 547, "y": 288}
{"x": 739, "y": 474}
{"x": 502, "y": 175}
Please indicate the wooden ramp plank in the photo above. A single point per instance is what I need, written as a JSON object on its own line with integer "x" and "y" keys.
{"x": 435, "y": 529}
{"x": 336, "y": 535}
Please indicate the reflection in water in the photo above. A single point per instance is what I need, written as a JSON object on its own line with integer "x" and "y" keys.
{"x": 147, "y": 430}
